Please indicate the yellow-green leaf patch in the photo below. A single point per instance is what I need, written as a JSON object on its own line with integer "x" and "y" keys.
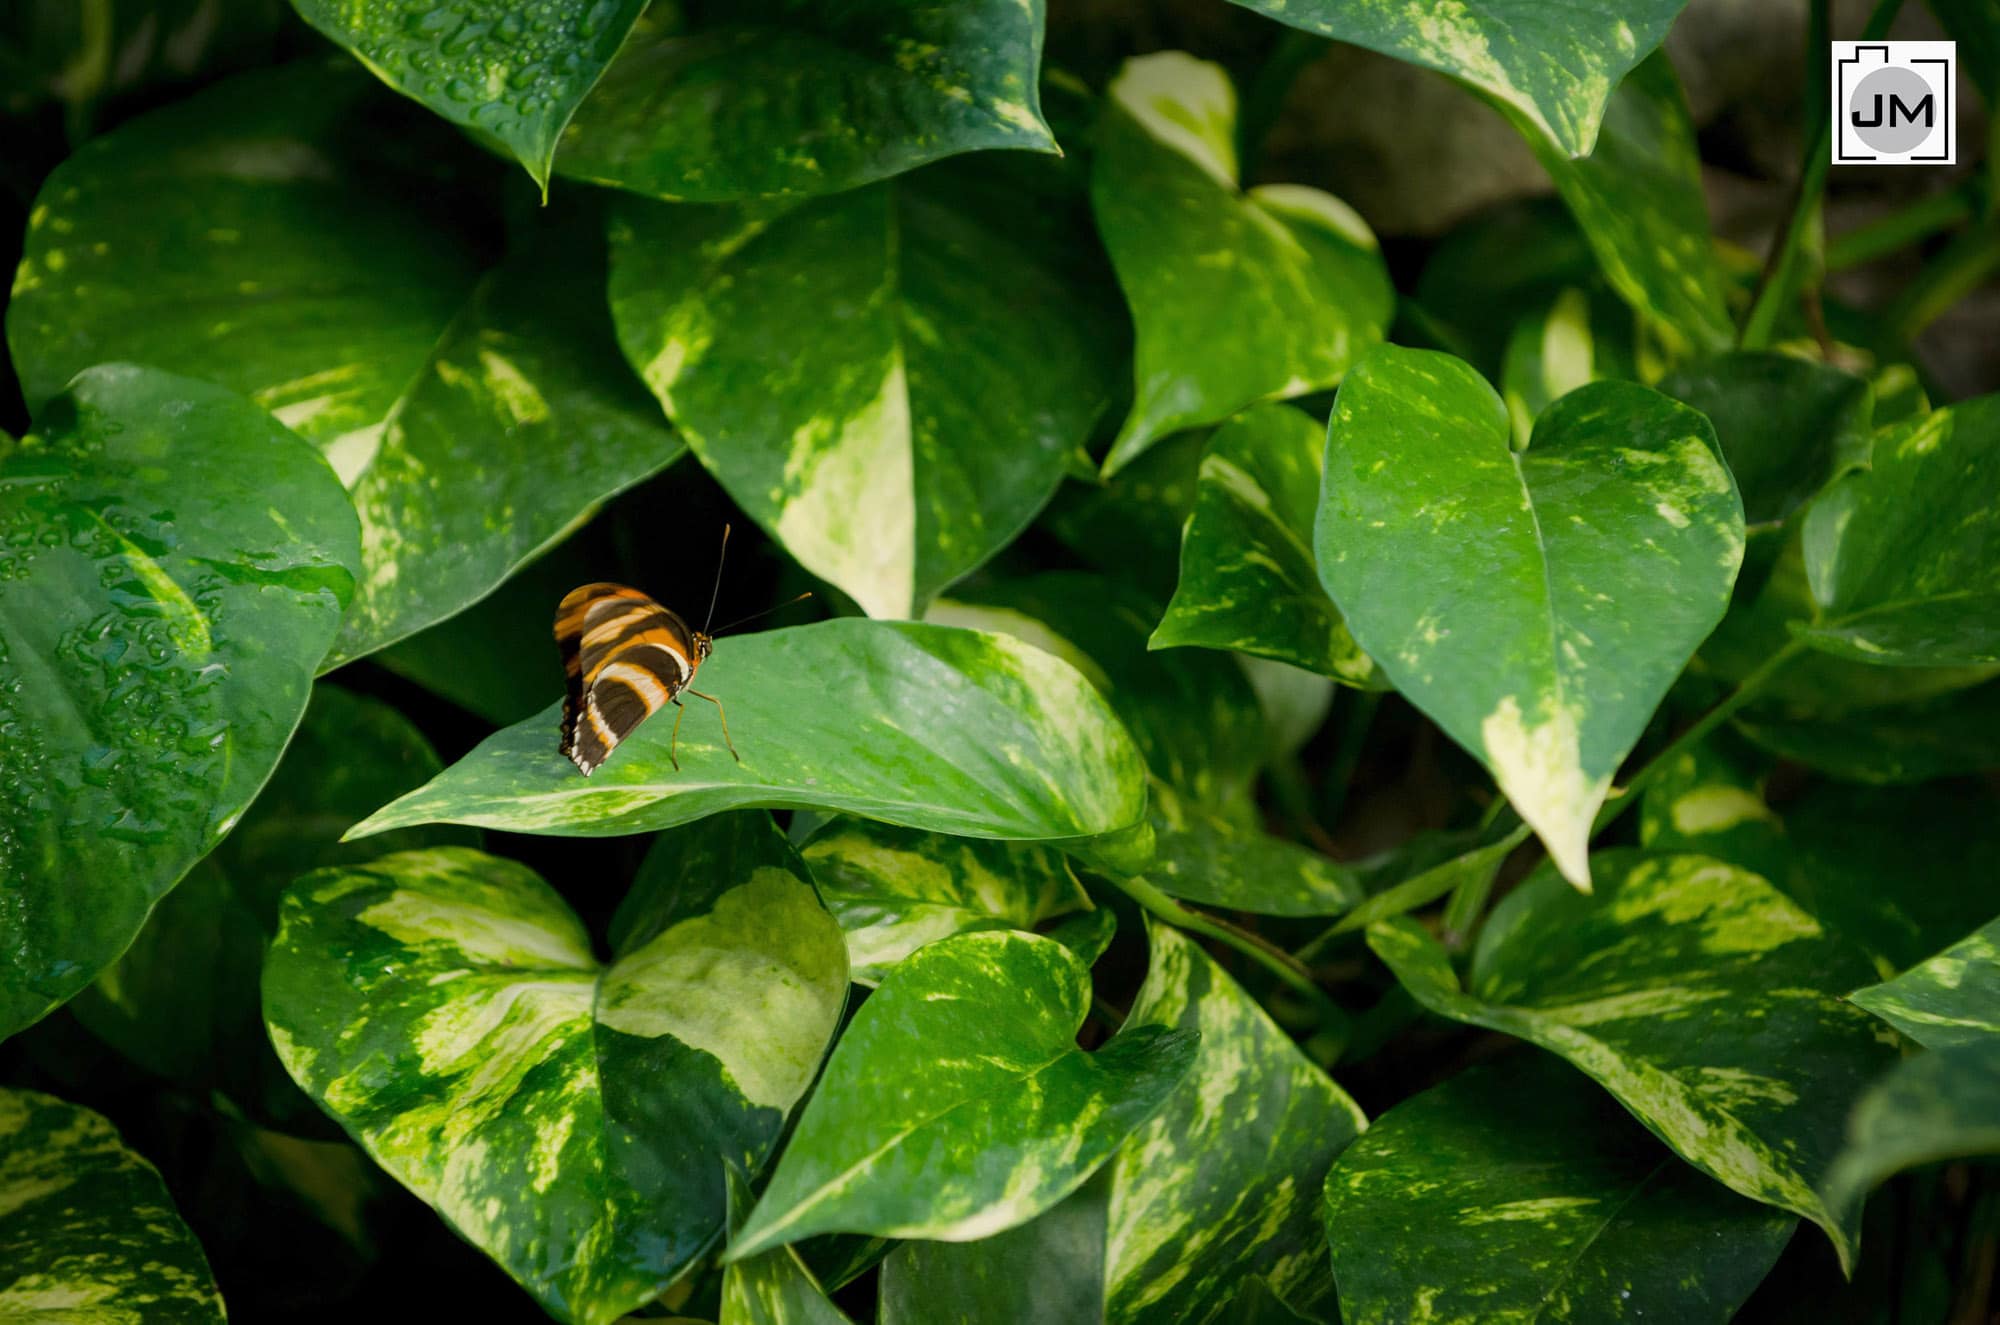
{"x": 926, "y": 726}
{"x": 894, "y": 889}
{"x": 1537, "y": 604}
{"x": 1702, "y": 998}
{"x": 1516, "y": 1192}
{"x": 295, "y": 248}
{"x": 1293, "y": 272}
{"x": 173, "y": 566}
{"x": 87, "y": 1230}
{"x": 763, "y": 98}
{"x": 1948, "y": 1000}
{"x": 773, "y": 1287}
{"x": 570, "y": 1119}
{"x": 1247, "y": 578}
{"x": 957, "y": 1103}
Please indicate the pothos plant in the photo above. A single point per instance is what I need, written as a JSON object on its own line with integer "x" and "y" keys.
{"x": 1317, "y": 783}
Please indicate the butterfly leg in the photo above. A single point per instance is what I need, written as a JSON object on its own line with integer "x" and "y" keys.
{"x": 674, "y": 746}
{"x": 725, "y": 721}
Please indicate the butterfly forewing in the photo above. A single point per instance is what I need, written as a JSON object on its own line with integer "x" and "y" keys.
{"x": 624, "y": 659}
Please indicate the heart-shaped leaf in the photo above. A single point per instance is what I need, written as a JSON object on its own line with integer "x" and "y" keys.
{"x": 174, "y": 566}
{"x": 506, "y": 69}
{"x": 1554, "y": 67}
{"x": 958, "y": 1104}
{"x": 1247, "y": 578}
{"x": 87, "y": 1230}
{"x": 1950, "y": 999}
{"x": 1536, "y": 604}
{"x": 894, "y": 890}
{"x": 1576, "y": 337}
{"x": 1648, "y": 987}
{"x": 890, "y": 381}
{"x": 1639, "y": 201}
{"x": 294, "y": 249}
{"x": 201, "y": 1024}
{"x": 569, "y": 1119}
{"x": 1516, "y": 1192}
{"x": 926, "y": 726}
{"x": 1294, "y": 272}
{"x": 770, "y": 97}
{"x": 774, "y": 1287}
{"x": 1904, "y": 557}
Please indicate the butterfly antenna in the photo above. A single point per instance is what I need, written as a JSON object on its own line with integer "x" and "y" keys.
{"x": 764, "y": 612}
{"x": 716, "y": 592}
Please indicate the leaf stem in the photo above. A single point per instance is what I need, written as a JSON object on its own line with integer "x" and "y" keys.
{"x": 1962, "y": 267}
{"x": 1258, "y": 949}
{"x": 1902, "y": 228}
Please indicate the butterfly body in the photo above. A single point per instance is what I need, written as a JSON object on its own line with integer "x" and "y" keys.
{"x": 625, "y": 658}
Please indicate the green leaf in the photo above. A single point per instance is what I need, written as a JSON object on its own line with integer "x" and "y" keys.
{"x": 958, "y": 1104}
{"x": 514, "y": 72}
{"x": 569, "y": 1119}
{"x": 1292, "y": 274}
{"x": 1940, "y": 1105}
{"x": 173, "y": 569}
{"x": 1479, "y": 277}
{"x": 1648, "y": 987}
{"x": 201, "y": 1024}
{"x": 890, "y": 381}
{"x": 1224, "y": 1180}
{"x": 1130, "y": 526}
{"x": 773, "y": 97}
{"x": 1902, "y": 557}
{"x": 1948, "y": 736}
{"x": 290, "y": 251}
{"x": 1572, "y": 339}
{"x": 924, "y": 726}
{"x": 1711, "y": 803}
{"x": 1787, "y": 426}
{"x": 774, "y": 1288}
{"x": 1515, "y": 1192}
{"x": 1951, "y": 999}
{"x": 1553, "y": 67}
{"x": 894, "y": 890}
{"x": 1535, "y": 604}
{"x": 1247, "y": 578}
{"x": 1193, "y": 715}
{"x": 1472, "y": 870}
{"x": 87, "y": 1230}
{"x": 1222, "y": 1183}
{"x": 1202, "y": 856}
{"x": 1638, "y": 198}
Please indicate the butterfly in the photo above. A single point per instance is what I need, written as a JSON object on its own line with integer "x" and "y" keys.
{"x": 625, "y": 658}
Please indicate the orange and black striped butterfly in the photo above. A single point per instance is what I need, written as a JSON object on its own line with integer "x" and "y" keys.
{"x": 624, "y": 659}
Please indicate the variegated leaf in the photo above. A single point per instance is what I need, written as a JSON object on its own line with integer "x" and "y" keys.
{"x": 890, "y": 381}
{"x": 292, "y": 251}
{"x": 1536, "y": 604}
{"x": 1515, "y": 1193}
{"x": 773, "y": 1287}
{"x": 1294, "y": 272}
{"x": 1652, "y": 987}
{"x": 1577, "y": 336}
{"x": 513, "y": 71}
{"x": 765, "y": 98}
{"x": 569, "y": 1119}
{"x": 1940, "y": 1105}
{"x": 174, "y": 567}
{"x": 1206, "y": 857}
{"x": 894, "y": 889}
{"x": 1553, "y": 67}
{"x": 1710, "y": 801}
{"x": 1247, "y": 578}
{"x": 1222, "y": 1183}
{"x": 87, "y": 1231}
{"x": 1899, "y": 744}
{"x": 957, "y": 1103}
{"x": 933, "y": 728}
{"x": 201, "y": 1024}
{"x": 1904, "y": 556}
{"x": 1950, "y": 1000}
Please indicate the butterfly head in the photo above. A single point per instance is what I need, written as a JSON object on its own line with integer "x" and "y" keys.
{"x": 703, "y": 645}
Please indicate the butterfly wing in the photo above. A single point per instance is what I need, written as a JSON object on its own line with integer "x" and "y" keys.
{"x": 624, "y": 659}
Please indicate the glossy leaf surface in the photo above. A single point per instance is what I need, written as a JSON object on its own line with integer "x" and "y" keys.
{"x": 1949, "y": 1000}
{"x": 174, "y": 568}
{"x": 1536, "y": 604}
{"x": 1294, "y": 271}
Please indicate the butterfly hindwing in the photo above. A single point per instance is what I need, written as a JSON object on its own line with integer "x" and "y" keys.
{"x": 624, "y": 659}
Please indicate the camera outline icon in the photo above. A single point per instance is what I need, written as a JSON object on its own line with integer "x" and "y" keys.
{"x": 1894, "y": 103}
